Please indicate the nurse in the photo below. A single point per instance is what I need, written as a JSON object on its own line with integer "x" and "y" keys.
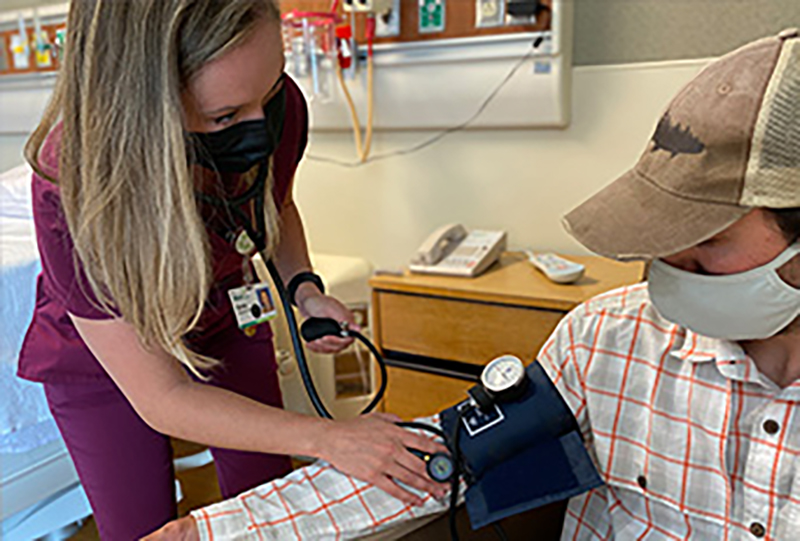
{"x": 161, "y": 108}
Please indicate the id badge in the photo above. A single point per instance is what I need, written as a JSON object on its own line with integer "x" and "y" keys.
{"x": 252, "y": 305}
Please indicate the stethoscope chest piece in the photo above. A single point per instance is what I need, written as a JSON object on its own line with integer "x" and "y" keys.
{"x": 440, "y": 467}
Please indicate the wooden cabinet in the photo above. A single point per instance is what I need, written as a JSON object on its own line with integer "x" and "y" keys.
{"x": 437, "y": 332}
{"x": 413, "y": 393}
{"x": 462, "y": 330}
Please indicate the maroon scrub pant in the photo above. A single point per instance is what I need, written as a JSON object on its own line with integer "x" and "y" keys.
{"x": 126, "y": 467}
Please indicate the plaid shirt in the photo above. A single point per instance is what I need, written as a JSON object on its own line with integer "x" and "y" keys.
{"x": 314, "y": 502}
{"x": 690, "y": 438}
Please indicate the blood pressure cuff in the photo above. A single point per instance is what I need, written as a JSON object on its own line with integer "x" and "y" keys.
{"x": 523, "y": 455}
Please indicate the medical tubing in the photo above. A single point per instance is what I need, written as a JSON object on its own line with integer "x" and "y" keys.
{"x": 460, "y": 470}
{"x": 297, "y": 345}
{"x": 315, "y": 328}
{"x": 258, "y": 237}
{"x": 381, "y": 364}
{"x": 454, "y": 483}
{"x": 363, "y": 146}
{"x": 353, "y": 113}
{"x": 369, "y": 30}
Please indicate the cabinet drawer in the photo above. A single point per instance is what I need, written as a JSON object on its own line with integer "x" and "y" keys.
{"x": 463, "y": 331}
{"x": 412, "y": 394}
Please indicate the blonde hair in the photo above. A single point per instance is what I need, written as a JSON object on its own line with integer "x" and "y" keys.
{"x": 126, "y": 186}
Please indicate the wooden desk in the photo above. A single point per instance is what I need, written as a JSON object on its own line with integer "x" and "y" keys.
{"x": 437, "y": 332}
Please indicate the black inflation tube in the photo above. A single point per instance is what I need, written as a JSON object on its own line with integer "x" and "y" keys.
{"x": 297, "y": 345}
{"x": 315, "y": 328}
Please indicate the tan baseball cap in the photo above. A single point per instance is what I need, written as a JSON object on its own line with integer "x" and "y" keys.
{"x": 728, "y": 142}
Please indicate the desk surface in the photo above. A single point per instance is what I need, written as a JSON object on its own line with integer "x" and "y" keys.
{"x": 513, "y": 280}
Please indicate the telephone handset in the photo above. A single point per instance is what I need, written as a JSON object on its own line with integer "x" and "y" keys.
{"x": 439, "y": 242}
{"x": 454, "y": 251}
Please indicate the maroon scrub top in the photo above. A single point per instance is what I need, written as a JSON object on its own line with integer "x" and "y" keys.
{"x": 52, "y": 351}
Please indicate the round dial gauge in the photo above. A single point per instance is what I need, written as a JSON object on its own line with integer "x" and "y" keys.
{"x": 503, "y": 374}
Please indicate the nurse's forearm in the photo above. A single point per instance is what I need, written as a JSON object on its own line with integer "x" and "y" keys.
{"x": 168, "y": 400}
{"x": 220, "y": 418}
{"x": 291, "y": 255}
{"x": 371, "y": 448}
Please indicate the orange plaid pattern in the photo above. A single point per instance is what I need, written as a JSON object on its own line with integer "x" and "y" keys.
{"x": 315, "y": 502}
{"x": 690, "y": 438}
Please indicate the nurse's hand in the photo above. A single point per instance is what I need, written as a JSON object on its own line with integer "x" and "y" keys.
{"x": 374, "y": 449}
{"x": 184, "y": 529}
{"x": 319, "y": 305}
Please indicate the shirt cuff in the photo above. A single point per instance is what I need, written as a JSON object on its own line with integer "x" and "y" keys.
{"x": 222, "y": 521}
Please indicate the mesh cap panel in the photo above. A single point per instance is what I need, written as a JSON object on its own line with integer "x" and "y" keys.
{"x": 773, "y": 173}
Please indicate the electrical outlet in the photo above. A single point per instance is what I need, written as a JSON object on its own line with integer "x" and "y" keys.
{"x": 378, "y": 7}
{"x": 489, "y": 13}
{"x": 431, "y": 16}
{"x": 388, "y": 24}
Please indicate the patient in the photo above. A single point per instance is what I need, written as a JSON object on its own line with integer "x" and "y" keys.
{"x": 685, "y": 388}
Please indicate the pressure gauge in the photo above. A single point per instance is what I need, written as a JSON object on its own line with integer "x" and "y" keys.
{"x": 504, "y": 376}
{"x": 503, "y": 380}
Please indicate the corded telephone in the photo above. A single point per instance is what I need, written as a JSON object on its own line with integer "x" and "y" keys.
{"x": 454, "y": 251}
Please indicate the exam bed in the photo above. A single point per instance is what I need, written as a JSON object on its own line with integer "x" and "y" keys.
{"x": 40, "y": 495}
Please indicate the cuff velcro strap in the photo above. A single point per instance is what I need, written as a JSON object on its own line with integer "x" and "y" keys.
{"x": 301, "y": 277}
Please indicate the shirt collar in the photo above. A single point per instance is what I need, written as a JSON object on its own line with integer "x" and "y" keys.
{"x": 697, "y": 348}
{"x": 792, "y": 392}
{"x": 732, "y": 362}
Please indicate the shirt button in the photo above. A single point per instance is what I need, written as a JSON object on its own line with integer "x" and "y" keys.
{"x": 642, "y": 481}
{"x": 250, "y": 331}
{"x": 757, "y": 529}
{"x": 771, "y": 427}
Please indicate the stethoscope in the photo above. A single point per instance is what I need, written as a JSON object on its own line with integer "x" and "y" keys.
{"x": 440, "y": 466}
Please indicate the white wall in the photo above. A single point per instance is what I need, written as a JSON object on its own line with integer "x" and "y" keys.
{"x": 10, "y": 149}
{"x": 23, "y": 4}
{"x": 22, "y": 102}
{"x": 520, "y": 181}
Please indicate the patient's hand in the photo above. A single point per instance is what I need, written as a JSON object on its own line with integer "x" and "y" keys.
{"x": 184, "y": 529}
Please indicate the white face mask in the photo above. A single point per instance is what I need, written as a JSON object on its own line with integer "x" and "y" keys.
{"x": 751, "y": 305}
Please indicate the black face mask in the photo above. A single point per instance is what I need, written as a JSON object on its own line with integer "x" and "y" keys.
{"x": 244, "y": 145}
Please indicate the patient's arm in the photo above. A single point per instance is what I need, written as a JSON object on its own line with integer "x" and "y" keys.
{"x": 314, "y": 502}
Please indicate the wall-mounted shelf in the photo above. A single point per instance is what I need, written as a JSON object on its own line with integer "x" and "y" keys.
{"x": 52, "y": 20}
{"x": 438, "y": 82}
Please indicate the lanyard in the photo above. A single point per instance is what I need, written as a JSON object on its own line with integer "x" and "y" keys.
{"x": 233, "y": 208}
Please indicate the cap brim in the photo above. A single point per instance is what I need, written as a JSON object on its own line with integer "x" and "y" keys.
{"x": 632, "y": 218}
